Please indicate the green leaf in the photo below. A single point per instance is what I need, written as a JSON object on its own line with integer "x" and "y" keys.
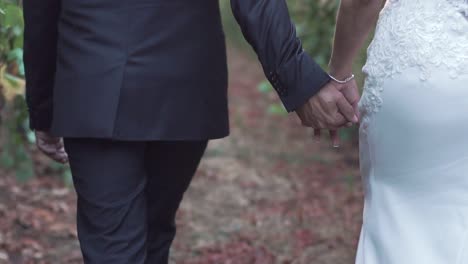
{"x": 265, "y": 87}
{"x": 15, "y": 54}
{"x": 7, "y": 160}
{"x": 25, "y": 171}
{"x": 31, "y": 137}
{"x": 21, "y": 68}
{"x": 67, "y": 177}
{"x": 14, "y": 82}
{"x": 55, "y": 166}
{"x": 277, "y": 109}
{"x": 13, "y": 16}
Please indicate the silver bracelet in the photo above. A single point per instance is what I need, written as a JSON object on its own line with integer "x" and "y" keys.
{"x": 347, "y": 80}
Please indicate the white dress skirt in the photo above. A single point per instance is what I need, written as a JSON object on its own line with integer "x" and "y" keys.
{"x": 414, "y": 136}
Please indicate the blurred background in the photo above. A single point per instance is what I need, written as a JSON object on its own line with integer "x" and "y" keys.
{"x": 267, "y": 194}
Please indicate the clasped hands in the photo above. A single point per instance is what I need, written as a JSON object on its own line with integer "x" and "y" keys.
{"x": 335, "y": 106}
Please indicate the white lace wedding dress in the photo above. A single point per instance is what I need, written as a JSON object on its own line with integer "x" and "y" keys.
{"x": 414, "y": 135}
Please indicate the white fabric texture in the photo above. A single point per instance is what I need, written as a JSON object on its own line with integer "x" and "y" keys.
{"x": 414, "y": 135}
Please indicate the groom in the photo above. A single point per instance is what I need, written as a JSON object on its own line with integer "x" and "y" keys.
{"x": 136, "y": 88}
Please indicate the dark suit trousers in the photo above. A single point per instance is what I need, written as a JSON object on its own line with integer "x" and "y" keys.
{"x": 128, "y": 195}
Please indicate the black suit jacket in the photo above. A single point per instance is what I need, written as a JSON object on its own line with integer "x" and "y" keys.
{"x": 151, "y": 69}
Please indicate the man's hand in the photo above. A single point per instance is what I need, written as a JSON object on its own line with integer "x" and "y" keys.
{"x": 51, "y": 146}
{"x": 335, "y": 106}
{"x": 328, "y": 109}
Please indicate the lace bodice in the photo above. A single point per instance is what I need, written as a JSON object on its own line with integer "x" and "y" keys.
{"x": 421, "y": 34}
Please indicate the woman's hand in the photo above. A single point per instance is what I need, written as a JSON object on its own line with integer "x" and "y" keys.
{"x": 51, "y": 146}
{"x": 355, "y": 21}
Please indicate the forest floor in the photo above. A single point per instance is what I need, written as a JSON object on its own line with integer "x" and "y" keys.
{"x": 267, "y": 194}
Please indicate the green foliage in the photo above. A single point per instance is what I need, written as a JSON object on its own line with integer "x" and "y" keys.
{"x": 63, "y": 171}
{"x": 274, "y": 109}
{"x": 14, "y": 154}
{"x": 11, "y": 32}
{"x": 315, "y": 22}
{"x": 265, "y": 87}
{"x": 15, "y": 137}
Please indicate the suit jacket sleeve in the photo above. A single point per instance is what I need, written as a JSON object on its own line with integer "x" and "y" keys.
{"x": 40, "y": 52}
{"x": 268, "y": 28}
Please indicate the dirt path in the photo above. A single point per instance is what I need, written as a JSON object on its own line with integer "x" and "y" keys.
{"x": 267, "y": 194}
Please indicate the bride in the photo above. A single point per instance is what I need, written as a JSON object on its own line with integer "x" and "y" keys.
{"x": 414, "y": 127}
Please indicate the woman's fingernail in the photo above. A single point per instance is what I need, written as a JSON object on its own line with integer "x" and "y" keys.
{"x": 355, "y": 119}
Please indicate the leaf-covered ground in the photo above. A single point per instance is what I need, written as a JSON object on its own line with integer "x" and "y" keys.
{"x": 267, "y": 194}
